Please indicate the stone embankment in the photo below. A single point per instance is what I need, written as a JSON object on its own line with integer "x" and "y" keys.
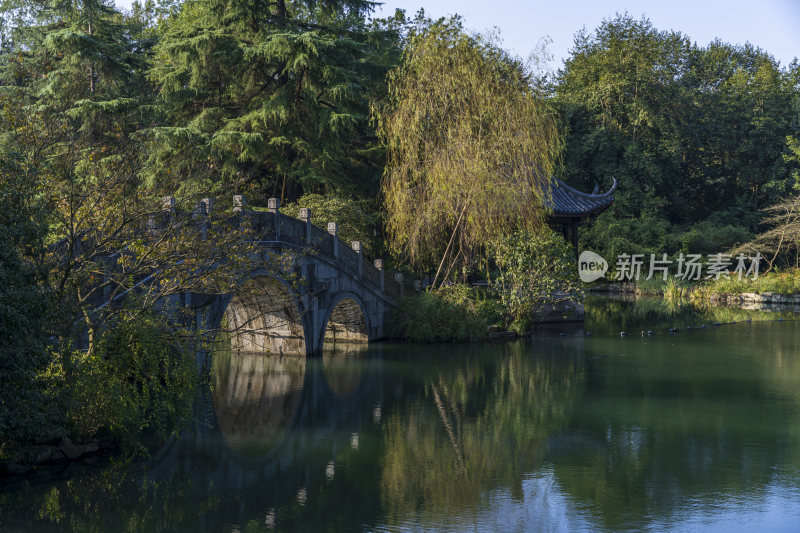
{"x": 764, "y": 301}
{"x": 618, "y": 288}
{"x": 55, "y": 452}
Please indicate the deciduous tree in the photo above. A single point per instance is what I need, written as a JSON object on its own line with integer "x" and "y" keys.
{"x": 471, "y": 147}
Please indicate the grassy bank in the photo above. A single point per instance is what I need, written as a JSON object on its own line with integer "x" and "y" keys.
{"x": 784, "y": 283}
{"x": 461, "y": 313}
{"x": 454, "y": 313}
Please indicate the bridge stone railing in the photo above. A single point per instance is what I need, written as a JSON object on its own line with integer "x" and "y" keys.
{"x": 273, "y": 225}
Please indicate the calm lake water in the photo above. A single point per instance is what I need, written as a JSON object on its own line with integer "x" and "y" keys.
{"x": 694, "y": 431}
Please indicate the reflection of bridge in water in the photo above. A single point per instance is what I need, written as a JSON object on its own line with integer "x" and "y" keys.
{"x": 258, "y": 400}
{"x": 287, "y": 431}
{"x": 274, "y": 425}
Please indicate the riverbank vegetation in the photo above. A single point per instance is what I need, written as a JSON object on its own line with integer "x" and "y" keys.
{"x": 121, "y": 131}
{"x": 656, "y": 315}
{"x": 529, "y": 271}
{"x": 452, "y": 313}
{"x": 785, "y": 283}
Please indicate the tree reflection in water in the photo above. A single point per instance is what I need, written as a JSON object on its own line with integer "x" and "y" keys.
{"x": 476, "y": 426}
{"x": 685, "y": 425}
{"x": 635, "y": 433}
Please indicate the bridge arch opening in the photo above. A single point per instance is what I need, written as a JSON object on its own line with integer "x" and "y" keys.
{"x": 347, "y": 325}
{"x": 263, "y": 317}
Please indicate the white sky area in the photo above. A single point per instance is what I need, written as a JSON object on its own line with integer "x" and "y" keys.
{"x": 773, "y": 25}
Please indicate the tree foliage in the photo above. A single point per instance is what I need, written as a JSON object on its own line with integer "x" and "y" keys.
{"x": 534, "y": 270}
{"x": 451, "y": 313}
{"x": 691, "y": 133}
{"x": 779, "y": 244}
{"x": 24, "y": 311}
{"x": 271, "y": 99}
{"x": 104, "y": 114}
{"x": 355, "y": 219}
{"x": 133, "y": 383}
{"x": 470, "y": 146}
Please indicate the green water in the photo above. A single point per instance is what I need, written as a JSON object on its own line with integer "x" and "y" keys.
{"x": 694, "y": 431}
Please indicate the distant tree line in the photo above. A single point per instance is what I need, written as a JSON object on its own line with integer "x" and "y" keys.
{"x": 700, "y": 138}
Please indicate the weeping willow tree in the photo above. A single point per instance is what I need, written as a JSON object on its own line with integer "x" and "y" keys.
{"x": 470, "y": 148}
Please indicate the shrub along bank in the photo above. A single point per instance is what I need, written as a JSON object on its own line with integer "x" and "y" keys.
{"x": 532, "y": 270}
{"x": 133, "y": 388}
{"x": 452, "y": 313}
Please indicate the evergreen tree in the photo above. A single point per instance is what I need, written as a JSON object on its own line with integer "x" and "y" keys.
{"x": 271, "y": 98}
{"x": 79, "y": 59}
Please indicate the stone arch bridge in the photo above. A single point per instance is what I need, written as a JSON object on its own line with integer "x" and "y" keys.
{"x": 328, "y": 292}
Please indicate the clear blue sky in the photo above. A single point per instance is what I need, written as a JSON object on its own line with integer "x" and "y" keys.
{"x": 774, "y": 25}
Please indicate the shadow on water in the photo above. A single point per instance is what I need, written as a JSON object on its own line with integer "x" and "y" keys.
{"x": 559, "y": 434}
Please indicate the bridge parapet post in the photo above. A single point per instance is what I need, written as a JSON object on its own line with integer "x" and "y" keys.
{"x": 379, "y": 265}
{"x": 207, "y": 203}
{"x": 239, "y": 203}
{"x": 239, "y": 207}
{"x": 356, "y": 246}
{"x": 274, "y": 207}
{"x": 333, "y": 229}
{"x": 199, "y": 211}
{"x": 157, "y": 221}
{"x": 305, "y": 216}
{"x": 200, "y": 215}
{"x": 168, "y": 209}
{"x": 168, "y": 204}
{"x": 398, "y": 277}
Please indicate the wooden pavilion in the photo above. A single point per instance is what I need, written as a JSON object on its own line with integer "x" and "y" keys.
{"x": 569, "y": 205}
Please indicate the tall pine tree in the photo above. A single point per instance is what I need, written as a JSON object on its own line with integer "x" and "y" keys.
{"x": 270, "y": 98}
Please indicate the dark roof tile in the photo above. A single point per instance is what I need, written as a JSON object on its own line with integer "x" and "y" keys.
{"x": 566, "y": 201}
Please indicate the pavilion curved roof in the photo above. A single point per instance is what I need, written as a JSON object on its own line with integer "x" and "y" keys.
{"x": 568, "y": 202}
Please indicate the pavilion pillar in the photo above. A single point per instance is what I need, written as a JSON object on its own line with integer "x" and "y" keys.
{"x": 573, "y": 233}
